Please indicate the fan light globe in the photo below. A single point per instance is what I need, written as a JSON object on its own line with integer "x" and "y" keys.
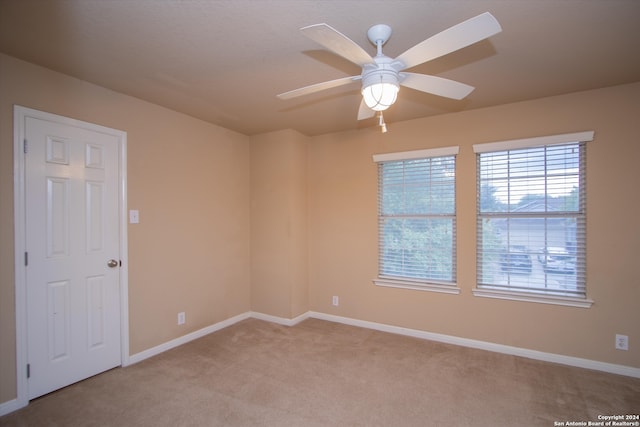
{"x": 380, "y": 96}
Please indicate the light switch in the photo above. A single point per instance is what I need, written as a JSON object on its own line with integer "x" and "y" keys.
{"x": 134, "y": 216}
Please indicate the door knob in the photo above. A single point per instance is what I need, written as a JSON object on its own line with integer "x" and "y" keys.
{"x": 112, "y": 263}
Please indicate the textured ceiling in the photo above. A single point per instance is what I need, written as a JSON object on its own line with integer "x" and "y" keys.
{"x": 225, "y": 61}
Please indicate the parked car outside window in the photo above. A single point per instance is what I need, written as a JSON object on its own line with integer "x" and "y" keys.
{"x": 516, "y": 261}
{"x": 557, "y": 260}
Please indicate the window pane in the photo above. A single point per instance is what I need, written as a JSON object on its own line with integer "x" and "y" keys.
{"x": 532, "y": 253}
{"x": 417, "y": 248}
{"x": 544, "y": 179}
{"x": 424, "y": 186}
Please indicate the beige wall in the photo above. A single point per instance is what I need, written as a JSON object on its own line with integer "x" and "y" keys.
{"x": 279, "y": 224}
{"x": 190, "y": 182}
{"x": 342, "y": 194}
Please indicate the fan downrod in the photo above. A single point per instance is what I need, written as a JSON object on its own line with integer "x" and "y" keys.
{"x": 379, "y": 32}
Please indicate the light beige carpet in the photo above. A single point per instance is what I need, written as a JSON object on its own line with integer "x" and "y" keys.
{"x": 320, "y": 373}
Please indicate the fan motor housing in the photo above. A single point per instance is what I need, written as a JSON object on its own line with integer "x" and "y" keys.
{"x": 384, "y": 70}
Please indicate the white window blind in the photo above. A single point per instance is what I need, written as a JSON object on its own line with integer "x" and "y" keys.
{"x": 531, "y": 220}
{"x": 416, "y": 217}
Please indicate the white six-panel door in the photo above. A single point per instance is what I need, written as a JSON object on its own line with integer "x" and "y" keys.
{"x": 73, "y": 248}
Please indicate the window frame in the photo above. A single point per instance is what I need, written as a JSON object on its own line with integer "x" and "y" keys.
{"x": 407, "y": 282}
{"x": 532, "y": 295}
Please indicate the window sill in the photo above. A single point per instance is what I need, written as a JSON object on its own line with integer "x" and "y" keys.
{"x": 418, "y": 286}
{"x": 532, "y": 297}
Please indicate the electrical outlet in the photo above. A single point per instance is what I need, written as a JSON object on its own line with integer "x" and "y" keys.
{"x": 181, "y": 318}
{"x": 335, "y": 301}
{"x": 622, "y": 342}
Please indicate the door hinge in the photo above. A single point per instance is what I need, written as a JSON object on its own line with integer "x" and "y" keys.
{"x": 25, "y": 146}
{"x": 28, "y": 370}
{"x": 26, "y": 259}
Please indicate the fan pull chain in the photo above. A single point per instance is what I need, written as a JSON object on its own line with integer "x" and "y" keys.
{"x": 381, "y": 123}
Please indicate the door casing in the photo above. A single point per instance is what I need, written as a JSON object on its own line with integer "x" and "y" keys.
{"x": 20, "y": 114}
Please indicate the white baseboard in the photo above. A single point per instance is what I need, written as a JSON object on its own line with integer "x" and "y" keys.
{"x": 11, "y": 405}
{"x": 280, "y": 320}
{"x": 483, "y": 345}
{"x": 138, "y": 357}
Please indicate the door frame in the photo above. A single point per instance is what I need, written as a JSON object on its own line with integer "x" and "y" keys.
{"x": 20, "y": 115}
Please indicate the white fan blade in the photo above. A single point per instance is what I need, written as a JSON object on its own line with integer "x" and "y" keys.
{"x": 365, "y": 112}
{"x": 436, "y": 85}
{"x": 462, "y": 35}
{"x": 318, "y": 87}
{"x": 338, "y": 43}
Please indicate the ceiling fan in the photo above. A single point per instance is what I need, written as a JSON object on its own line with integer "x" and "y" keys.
{"x": 382, "y": 76}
